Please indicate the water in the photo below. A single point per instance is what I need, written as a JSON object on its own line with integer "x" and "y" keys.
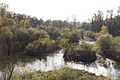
{"x": 92, "y": 42}
{"x": 105, "y": 67}
{"x": 101, "y": 66}
{"x": 0, "y": 75}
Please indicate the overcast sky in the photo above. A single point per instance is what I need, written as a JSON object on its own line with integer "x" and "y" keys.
{"x": 61, "y": 9}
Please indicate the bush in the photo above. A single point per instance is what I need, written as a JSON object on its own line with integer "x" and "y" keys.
{"x": 105, "y": 42}
{"x": 74, "y": 38}
{"x": 109, "y": 46}
{"x": 116, "y": 42}
{"x": 62, "y": 42}
{"x": 41, "y": 47}
{"x": 90, "y": 35}
{"x": 83, "y": 53}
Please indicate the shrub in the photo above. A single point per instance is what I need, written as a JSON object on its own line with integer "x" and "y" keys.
{"x": 41, "y": 47}
{"x": 74, "y": 38}
{"x": 83, "y": 53}
{"x": 105, "y": 42}
{"x": 90, "y": 35}
{"x": 63, "y": 42}
{"x": 109, "y": 46}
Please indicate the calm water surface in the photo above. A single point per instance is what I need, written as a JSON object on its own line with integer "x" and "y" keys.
{"x": 105, "y": 67}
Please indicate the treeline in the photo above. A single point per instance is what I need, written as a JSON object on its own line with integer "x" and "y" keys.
{"x": 96, "y": 22}
{"x": 22, "y": 35}
{"x": 22, "y": 30}
{"x": 111, "y": 20}
{"x": 21, "y": 20}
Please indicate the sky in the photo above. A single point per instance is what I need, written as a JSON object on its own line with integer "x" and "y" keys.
{"x": 61, "y": 9}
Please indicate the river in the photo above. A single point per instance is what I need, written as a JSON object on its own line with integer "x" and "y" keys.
{"x": 101, "y": 66}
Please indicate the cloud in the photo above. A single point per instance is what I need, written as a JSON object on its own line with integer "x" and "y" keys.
{"x": 60, "y": 9}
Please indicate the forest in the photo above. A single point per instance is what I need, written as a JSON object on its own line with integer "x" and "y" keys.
{"x": 23, "y": 39}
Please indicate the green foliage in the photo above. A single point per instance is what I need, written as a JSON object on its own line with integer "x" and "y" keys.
{"x": 22, "y": 35}
{"x": 42, "y": 46}
{"x": 90, "y": 35}
{"x": 81, "y": 33}
{"x": 63, "y": 42}
{"x": 98, "y": 21}
{"x": 0, "y": 20}
{"x": 117, "y": 44}
{"x": 54, "y": 33}
{"x": 66, "y": 33}
{"x": 74, "y": 37}
{"x": 35, "y": 34}
{"x": 68, "y": 74}
{"x": 105, "y": 42}
{"x": 62, "y": 74}
{"x": 5, "y": 33}
{"x": 109, "y": 46}
{"x": 83, "y": 52}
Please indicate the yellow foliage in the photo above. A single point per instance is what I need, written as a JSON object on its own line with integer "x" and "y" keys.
{"x": 104, "y": 29}
{"x": 63, "y": 42}
{"x": 41, "y": 41}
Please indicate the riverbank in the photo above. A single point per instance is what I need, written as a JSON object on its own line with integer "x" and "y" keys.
{"x": 61, "y": 74}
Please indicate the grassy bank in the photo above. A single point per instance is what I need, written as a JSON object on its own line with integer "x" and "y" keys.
{"x": 62, "y": 74}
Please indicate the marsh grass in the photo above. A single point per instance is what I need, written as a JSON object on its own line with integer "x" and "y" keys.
{"x": 61, "y": 74}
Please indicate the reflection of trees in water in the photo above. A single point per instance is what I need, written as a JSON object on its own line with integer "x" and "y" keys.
{"x": 117, "y": 66}
{"x": 50, "y": 61}
{"x": 103, "y": 61}
{"x": 7, "y": 65}
{"x": 113, "y": 68}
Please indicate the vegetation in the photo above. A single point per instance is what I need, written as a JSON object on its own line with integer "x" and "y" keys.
{"x": 62, "y": 74}
{"x": 109, "y": 46}
{"x": 43, "y": 45}
{"x": 22, "y": 36}
{"x": 98, "y": 20}
{"x": 83, "y": 52}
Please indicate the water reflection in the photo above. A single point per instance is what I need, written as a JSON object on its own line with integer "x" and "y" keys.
{"x": 0, "y": 75}
{"x": 101, "y": 66}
